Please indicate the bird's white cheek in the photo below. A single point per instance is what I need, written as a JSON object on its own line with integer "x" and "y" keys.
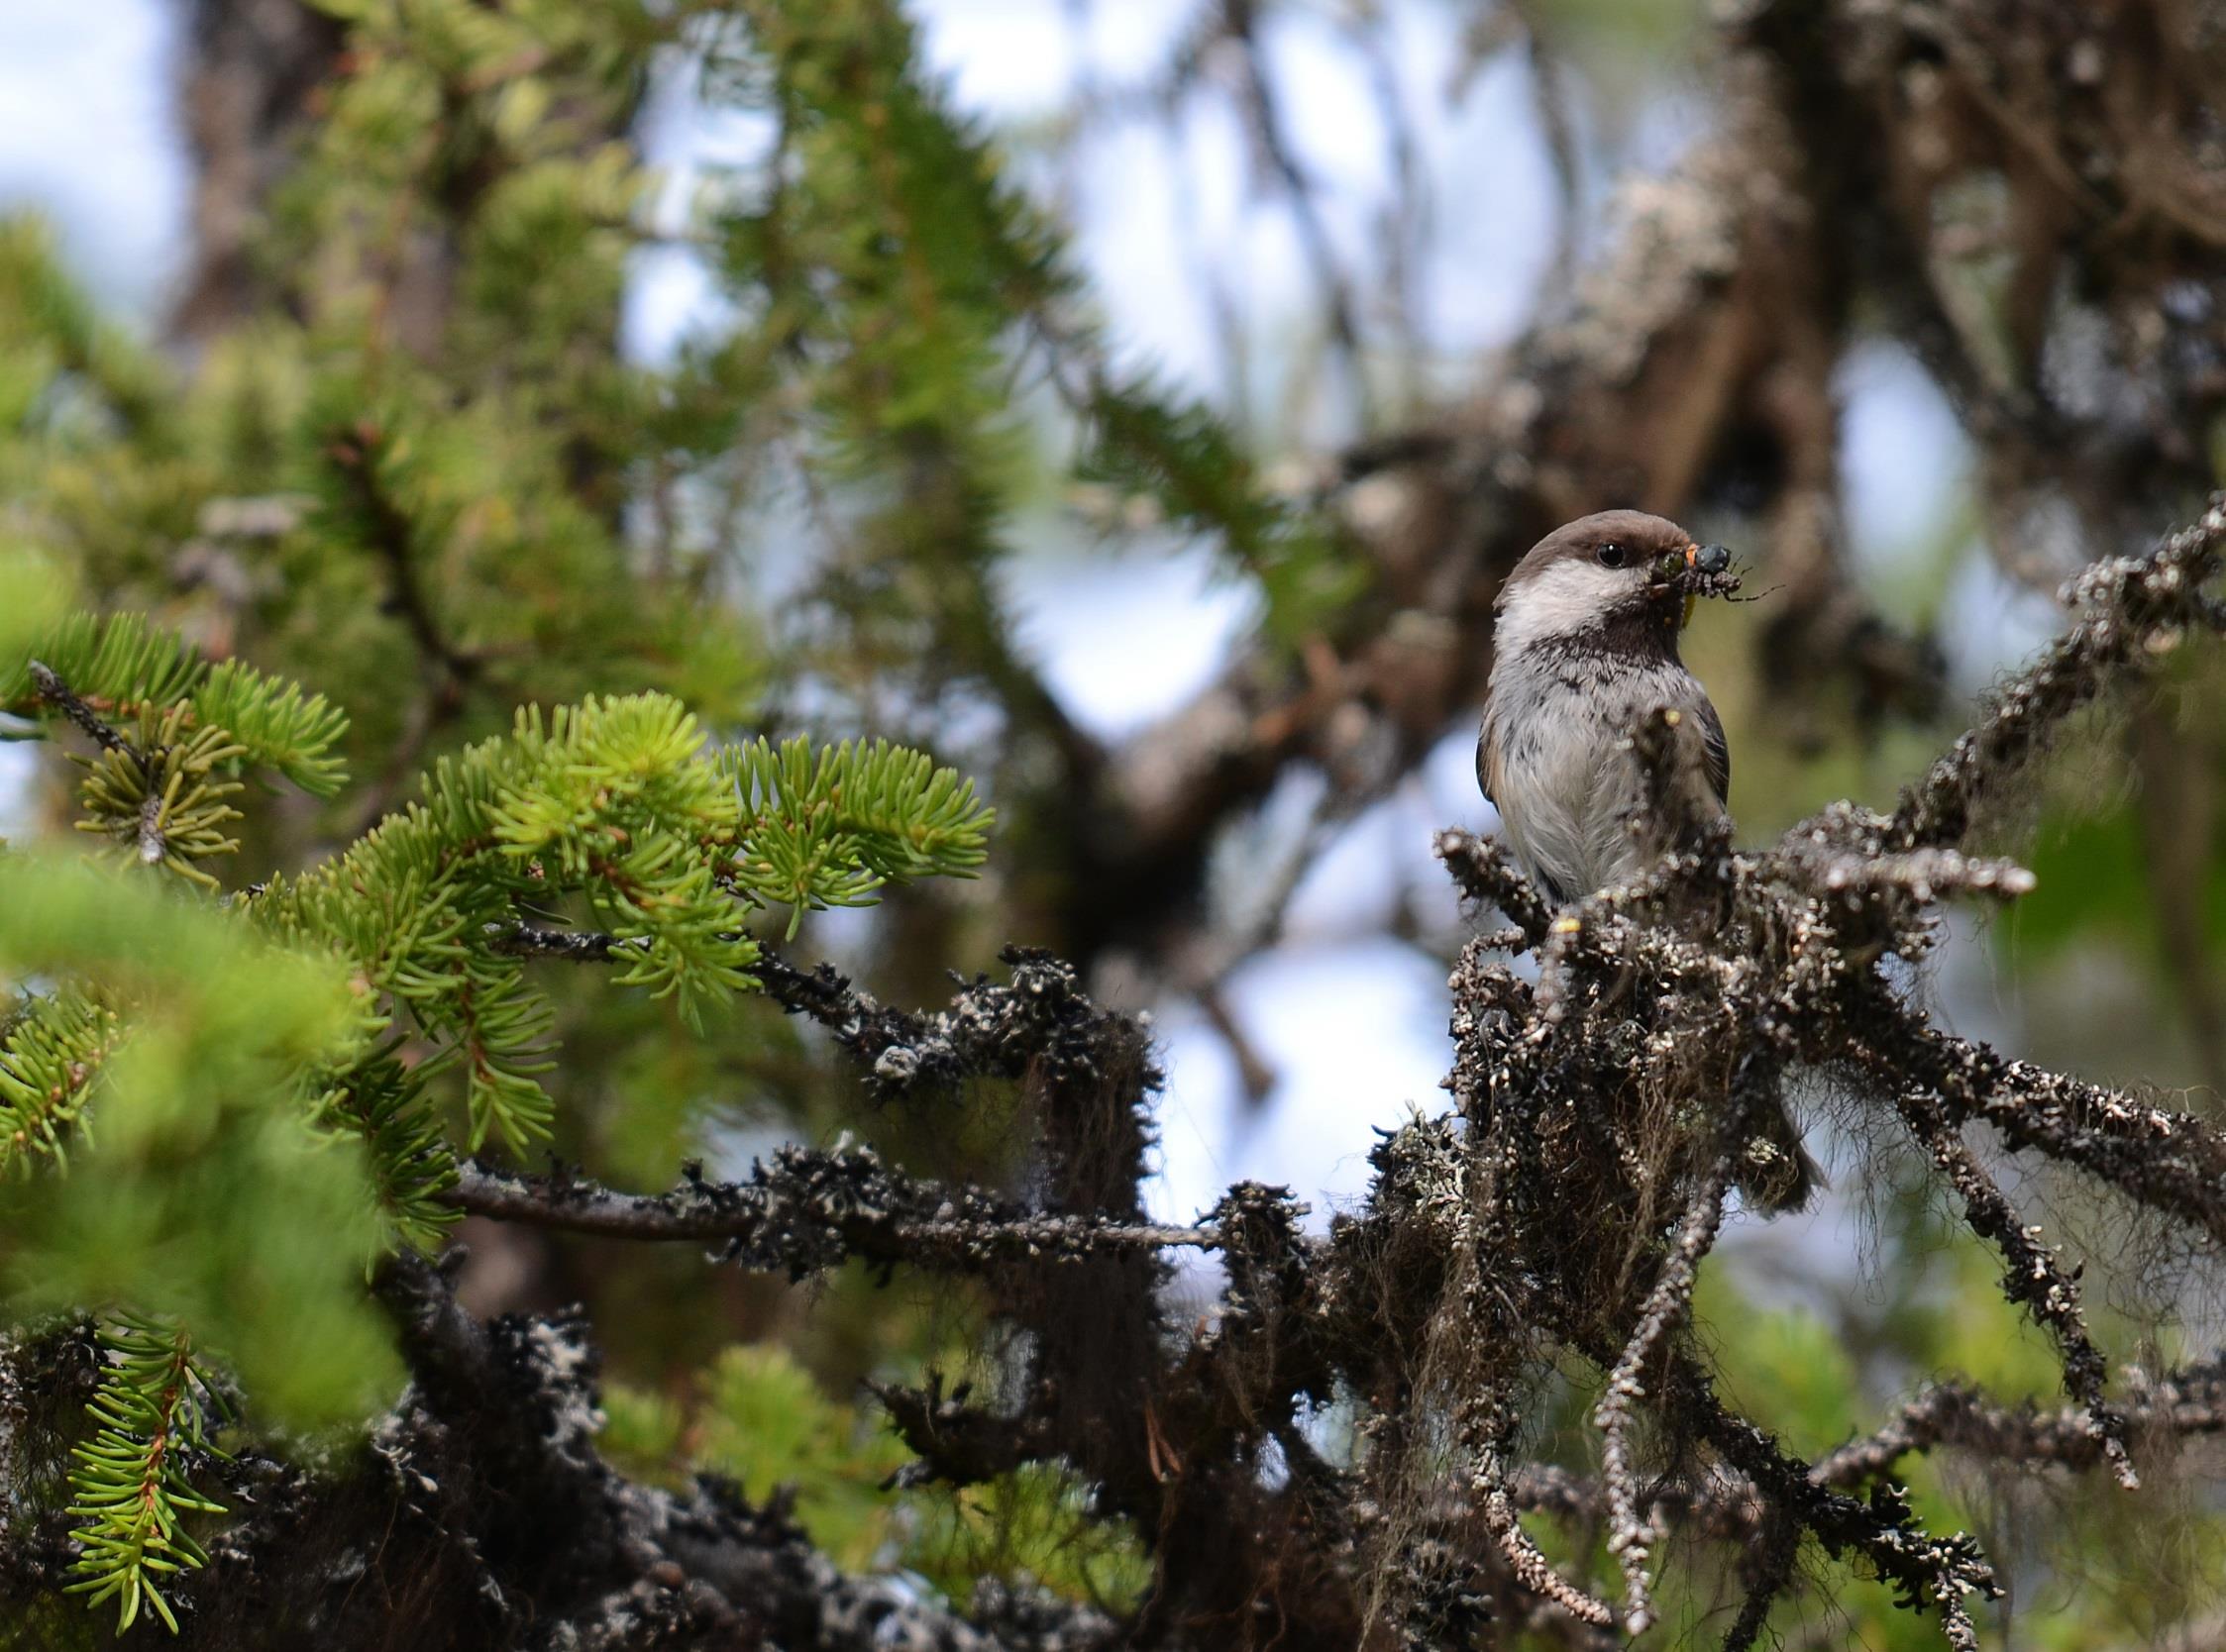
{"x": 1566, "y": 597}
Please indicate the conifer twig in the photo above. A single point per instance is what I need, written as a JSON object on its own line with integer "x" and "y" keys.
{"x": 58, "y": 694}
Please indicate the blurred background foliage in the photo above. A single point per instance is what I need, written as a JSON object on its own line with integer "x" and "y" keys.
{"x": 392, "y": 433}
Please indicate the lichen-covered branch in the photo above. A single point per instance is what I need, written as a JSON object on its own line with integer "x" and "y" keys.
{"x": 809, "y": 1210}
{"x": 1485, "y": 874}
{"x": 1630, "y": 1537}
{"x": 2174, "y": 1162}
{"x": 2129, "y": 612}
{"x": 2179, "y": 1405}
{"x": 2031, "y": 1276}
{"x": 1667, "y": 1011}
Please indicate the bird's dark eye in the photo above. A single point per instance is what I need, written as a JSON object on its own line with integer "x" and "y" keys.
{"x": 1613, "y": 554}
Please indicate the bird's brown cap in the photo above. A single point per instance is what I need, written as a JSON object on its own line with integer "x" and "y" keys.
{"x": 1646, "y": 537}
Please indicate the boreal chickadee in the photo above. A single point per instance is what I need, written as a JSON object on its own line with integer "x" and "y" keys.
{"x": 1586, "y": 644}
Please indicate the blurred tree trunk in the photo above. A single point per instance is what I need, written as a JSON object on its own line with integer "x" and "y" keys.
{"x": 254, "y": 76}
{"x": 250, "y": 72}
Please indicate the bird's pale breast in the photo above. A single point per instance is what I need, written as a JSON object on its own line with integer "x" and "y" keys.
{"x": 1563, "y": 785}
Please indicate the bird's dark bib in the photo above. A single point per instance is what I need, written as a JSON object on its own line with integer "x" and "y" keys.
{"x": 1622, "y": 637}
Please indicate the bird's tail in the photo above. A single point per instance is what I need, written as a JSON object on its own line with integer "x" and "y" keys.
{"x": 1776, "y": 1174}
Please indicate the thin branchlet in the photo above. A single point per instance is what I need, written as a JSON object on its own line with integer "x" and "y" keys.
{"x": 2171, "y": 1162}
{"x": 1490, "y": 1424}
{"x": 2182, "y": 1405}
{"x": 1631, "y": 1537}
{"x": 2128, "y": 611}
{"x": 2031, "y": 1276}
{"x": 57, "y": 693}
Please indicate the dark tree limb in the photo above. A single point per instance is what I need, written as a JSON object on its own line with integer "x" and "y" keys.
{"x": 2171, "y": 1162}
{"x": 508, "y": 1409}
{"x": 797, "y": 1214}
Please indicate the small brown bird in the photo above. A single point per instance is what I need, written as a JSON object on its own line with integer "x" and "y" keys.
{"x": 1585, "y": 646}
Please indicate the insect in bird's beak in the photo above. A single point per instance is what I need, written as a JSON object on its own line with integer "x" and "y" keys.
{"x": 1704, "y": 560}
{"x": 1692, "y": 569}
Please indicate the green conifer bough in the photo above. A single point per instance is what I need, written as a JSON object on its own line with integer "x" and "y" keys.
{"x": 205, "y": 1048}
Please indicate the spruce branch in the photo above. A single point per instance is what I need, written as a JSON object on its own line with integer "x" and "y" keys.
{"x": 502, "y": 1044}
{"x": 163, "y": 797}
{"x": 385, "y": 1105}
{"x": 620, "y": 802}
{"x": 980, "y": 258}
{"x": 832, "y": 829}
{"x": 92, "y": 669}
{"x": 162, "y": 790}
{"x": 53, "y": 1050}
{"x": 119, "y": 666}
{"x": 275, "y": 725}
{"x": 131, "y": 1483}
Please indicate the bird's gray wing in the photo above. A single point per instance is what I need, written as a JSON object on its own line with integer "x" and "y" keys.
{"x": 1716, "y": 752}
{"x": 1488, "y": 762}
